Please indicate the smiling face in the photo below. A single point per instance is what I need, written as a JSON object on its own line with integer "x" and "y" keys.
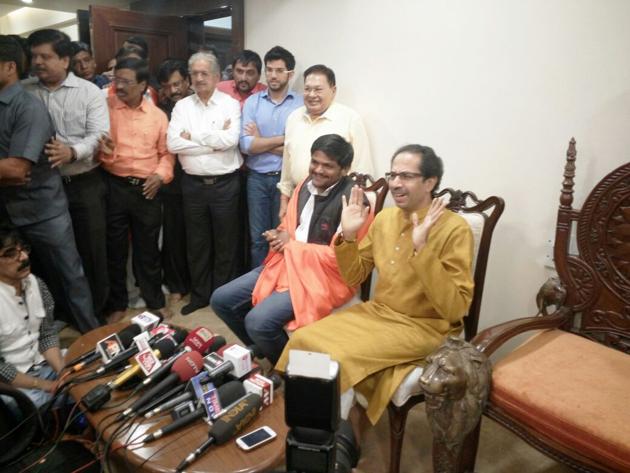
{"x": 410, "y": 190}
{"x": 47, "y": 65}
{"x": 324, "y": 171}
{"x": 246, "y": 77}
{"x": 318, "y": 94}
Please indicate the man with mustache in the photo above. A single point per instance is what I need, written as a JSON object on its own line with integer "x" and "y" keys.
{"x": 30, "y": 358}
{"x": 137, "y": 162}
{"x": 31, "y": 192}
{"x": 204, "y": 132}
{"x": 174, "y": 86}
{"x": 319, "y": 116}
{"x": 262, "y": 140}
{"x": 79, "y": 114}
{"x": 246, "y": 69}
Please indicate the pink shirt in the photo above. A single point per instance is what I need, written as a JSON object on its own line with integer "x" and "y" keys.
{"x": 229, "y": 87}
{"x": 140, "y": 138}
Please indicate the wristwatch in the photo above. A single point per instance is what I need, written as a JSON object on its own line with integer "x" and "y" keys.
{"x": 73, "y": 158}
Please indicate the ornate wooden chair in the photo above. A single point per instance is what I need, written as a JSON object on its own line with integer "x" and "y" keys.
{"x": 566, "y": 391}
{"x": 482, "y": 216}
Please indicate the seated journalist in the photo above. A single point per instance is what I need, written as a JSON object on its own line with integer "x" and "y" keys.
{"x": 299, "y": 282}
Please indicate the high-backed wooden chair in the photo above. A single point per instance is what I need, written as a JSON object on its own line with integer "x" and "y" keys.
{"x": 566, "y": 391}
{"x": 482, "y": 216}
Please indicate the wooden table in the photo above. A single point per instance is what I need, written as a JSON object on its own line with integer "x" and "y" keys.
{"x": 166, "y": 453}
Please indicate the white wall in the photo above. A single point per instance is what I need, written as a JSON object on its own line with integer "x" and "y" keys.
{"x": 497, "y": 87}
{"x": 24, "y": 21}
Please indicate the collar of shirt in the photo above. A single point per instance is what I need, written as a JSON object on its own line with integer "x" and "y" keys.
{"x": 10, "y": 290}
{"x": 119, "y": 104}
{"x": 7, "y": 94}
{"x": 314, "y": 191}
{"x": 70, "y": 81}
{"x": 329, "y": 114}
{"x": 265, "y": 94}
{"x": 213, "y": 98}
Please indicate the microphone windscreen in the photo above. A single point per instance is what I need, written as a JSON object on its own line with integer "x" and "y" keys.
{"x": 237, "y": 417}
{"x": 218, "y": 342}
{"x": 167, "y": 346}
{"x": 180, "y": 335}
{"x": 126, "y": 335}
{"x": 199, "y": 340}
{"x": 188, "y": 365}
{"x": 230, "y": 392}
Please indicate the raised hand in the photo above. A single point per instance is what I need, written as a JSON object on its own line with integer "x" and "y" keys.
{"x": 353, "y": 214}
{"x": 420, "y": 233}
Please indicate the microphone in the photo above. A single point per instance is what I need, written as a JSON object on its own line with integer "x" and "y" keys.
{"x": 237, "y": 361}
{"x": 228, "y": 394}
{"x": 227, "y": 426}
{"x": 126, "y": 338}
{"x": 184, "y": 368}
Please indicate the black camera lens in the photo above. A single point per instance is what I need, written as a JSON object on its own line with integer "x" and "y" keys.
{"x": 347, "y": 452}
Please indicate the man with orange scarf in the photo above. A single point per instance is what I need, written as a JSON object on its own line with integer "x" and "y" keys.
{"x": 299, "y": 281}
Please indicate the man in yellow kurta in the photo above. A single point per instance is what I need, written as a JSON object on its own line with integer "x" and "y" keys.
{"x": 423, "y": 254}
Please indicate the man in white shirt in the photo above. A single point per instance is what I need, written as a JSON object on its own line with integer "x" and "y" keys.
{"x": 30, "y": 357}
{"x": 319, "y": 116}
{"x": 204, "y": 133}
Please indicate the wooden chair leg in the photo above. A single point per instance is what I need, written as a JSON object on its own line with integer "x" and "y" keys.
{"x": 397, "y": 422}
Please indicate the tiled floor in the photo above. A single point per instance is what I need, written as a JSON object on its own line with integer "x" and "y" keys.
{"x": 499, "y": 452}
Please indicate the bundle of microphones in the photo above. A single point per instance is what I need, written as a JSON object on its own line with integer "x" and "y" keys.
{"x": 191, "y": 376}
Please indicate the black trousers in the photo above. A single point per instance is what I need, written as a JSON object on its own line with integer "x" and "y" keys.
{"x": 174, "y": 259}
{"x": 127, "y": 209}
{"x": 87, "y": 204}
{"x": 213, "y": 230}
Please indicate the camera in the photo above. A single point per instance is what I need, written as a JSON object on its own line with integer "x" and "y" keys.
{"x": 318, "y": 441}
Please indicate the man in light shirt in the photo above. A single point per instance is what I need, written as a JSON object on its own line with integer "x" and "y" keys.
{"x": 204, "y": 132}
{"x": 320, "y": 115}
{"x": 79, "y": 113}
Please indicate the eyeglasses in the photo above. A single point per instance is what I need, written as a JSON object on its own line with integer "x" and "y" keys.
{"x": 404, "y": 176}
{"x": 15, "y": 252}
{"x": 124, "y": 82}
{"x": 277, "y": 70}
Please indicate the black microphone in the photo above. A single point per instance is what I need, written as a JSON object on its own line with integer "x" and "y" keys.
{"x": 228, "y": 394}
{"x": 160, "y": 400}
{"x": 126, "y": 338}
{"x": 227, "y": 426}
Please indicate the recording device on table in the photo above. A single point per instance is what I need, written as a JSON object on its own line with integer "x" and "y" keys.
{"x": 318, "y": 440}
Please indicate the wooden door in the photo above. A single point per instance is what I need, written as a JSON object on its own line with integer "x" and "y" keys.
{"x": 167, "y": 36}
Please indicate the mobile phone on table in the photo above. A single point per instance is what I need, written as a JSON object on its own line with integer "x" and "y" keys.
{"x": 256, "y": 438}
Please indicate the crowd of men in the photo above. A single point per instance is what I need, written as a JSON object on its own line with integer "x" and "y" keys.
{"x": 93, "y": 163}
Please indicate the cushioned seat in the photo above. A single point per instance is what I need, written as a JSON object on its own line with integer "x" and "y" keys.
{"x": 584, "y": 405}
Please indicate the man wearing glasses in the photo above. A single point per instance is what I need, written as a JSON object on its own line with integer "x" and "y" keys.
{"x": 137, "y": 162}
{"x": 320, "y": 115}
{"x": 30, "y": 358}
{"x": 423, "y": 254}
{"x": 262, "y": 140}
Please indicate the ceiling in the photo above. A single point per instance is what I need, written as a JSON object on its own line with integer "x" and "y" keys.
{"x": 6, "y": 6}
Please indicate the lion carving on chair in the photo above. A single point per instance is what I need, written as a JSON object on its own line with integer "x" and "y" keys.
{"x": 456, "y": 381}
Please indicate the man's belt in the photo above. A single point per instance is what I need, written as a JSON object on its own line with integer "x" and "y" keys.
{"x": 130, "y": 180}
{"x": 211, "y": 180}
{"x": 78, "y": 177}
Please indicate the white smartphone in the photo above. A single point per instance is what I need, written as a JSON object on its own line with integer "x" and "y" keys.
{"x": 256, "y": 438}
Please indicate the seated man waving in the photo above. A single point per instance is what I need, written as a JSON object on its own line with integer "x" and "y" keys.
{"x": 299, "y": 279}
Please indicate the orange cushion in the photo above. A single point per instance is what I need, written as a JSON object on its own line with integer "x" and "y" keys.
{"x": 572, "y": 390}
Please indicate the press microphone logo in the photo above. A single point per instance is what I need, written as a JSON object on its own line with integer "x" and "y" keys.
{"x": 148, "y": 362}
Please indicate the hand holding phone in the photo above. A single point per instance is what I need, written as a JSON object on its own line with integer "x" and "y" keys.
{"x": 256, "y": 438}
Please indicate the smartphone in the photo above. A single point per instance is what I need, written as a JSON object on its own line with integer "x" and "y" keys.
{"x": 256, "y": 438}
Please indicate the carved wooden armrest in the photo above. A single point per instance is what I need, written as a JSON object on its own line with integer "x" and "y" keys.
{"x": 493, "y": 337}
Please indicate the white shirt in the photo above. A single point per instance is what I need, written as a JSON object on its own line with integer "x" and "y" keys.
{"x": 301, "y": 232}
{"x": 20, "y": 320}
{"x": 211, "y": 150}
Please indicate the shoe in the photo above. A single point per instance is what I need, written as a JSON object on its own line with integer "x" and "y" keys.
{"x": 191, "y": 307}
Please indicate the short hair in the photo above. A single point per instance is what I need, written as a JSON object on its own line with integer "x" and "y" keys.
{"x": 323, "y": 70}
{"x": 140, "y": 66}
{"x": 11, "y": 51}
{"x": 247, "y": 56}
{"x": 430, "y": 163}
{"x": 141, "y": 43}
{"x": 9, "y": 237}
{"x": 209, "y": 58}
{"x": 78, "y": 46}
{"x": 170, "y": 66}
{"x": 124, "y": 53}
{"x": 279, "y": 53}
{"x": 59, "y": 41}
{"x": 336, "y": 148}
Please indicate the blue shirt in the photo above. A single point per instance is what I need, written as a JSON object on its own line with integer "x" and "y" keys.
{"x": 270, "y": 119}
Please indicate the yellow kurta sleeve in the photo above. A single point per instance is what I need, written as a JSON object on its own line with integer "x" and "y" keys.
{"x": 444, "y": 268}
{"x": 355, "y": 260}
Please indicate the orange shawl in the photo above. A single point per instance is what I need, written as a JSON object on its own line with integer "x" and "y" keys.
{"x": 307, "y": 270}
